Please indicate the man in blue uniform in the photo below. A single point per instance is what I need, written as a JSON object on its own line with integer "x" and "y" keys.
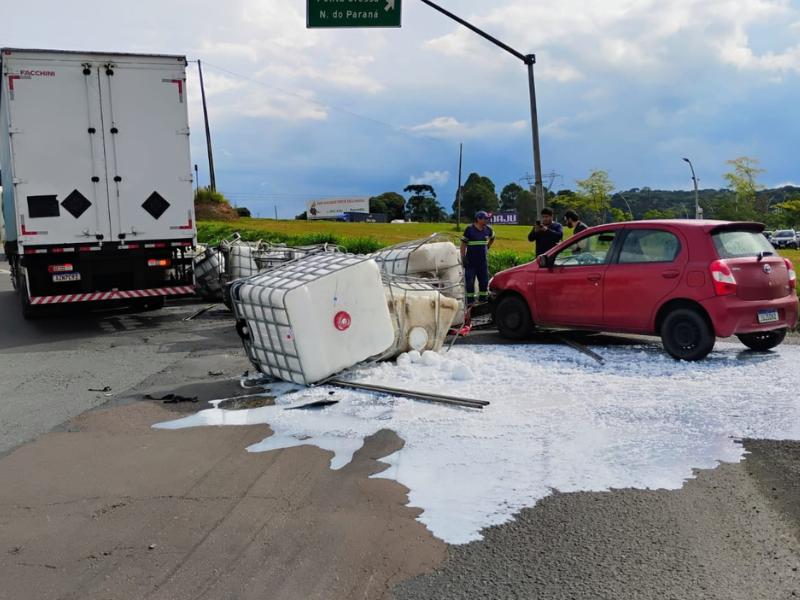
{"x": 475, "y": 244}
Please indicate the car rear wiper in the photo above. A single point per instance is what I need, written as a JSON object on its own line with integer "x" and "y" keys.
{"x": 763, "y": 254}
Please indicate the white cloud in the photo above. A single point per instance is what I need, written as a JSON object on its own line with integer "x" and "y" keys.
{"x": 452, "y": 128}
{"x": 431, "y": 178}
{"x": 626, "y": 35}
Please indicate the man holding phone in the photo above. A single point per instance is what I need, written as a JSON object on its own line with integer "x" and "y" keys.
{"x": 546, "y": 234}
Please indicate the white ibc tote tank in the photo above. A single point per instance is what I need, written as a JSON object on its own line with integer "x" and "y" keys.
{"x": 309, "y": 319}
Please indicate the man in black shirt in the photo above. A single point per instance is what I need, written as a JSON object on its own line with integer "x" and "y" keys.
{"x": 546, "y": 234}
{"x": 574, "y": 222}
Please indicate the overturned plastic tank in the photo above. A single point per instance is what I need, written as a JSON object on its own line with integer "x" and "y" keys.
{"x": 421, "y": 315}
{"x": 434, "y": 260}
{"x": 208, "y": 268}
{"x": 313, "y": 317}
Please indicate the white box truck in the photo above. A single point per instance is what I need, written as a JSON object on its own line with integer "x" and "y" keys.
{"x": 96, "y": 177}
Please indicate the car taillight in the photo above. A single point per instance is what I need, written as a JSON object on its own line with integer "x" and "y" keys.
{"x": 66, "y": 268}
{"x": 158, "y": 262}
{"x": 722, "y": 276}
{"x": 792, "y": 274}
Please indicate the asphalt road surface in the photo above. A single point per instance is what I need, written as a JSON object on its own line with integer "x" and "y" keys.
{"x": 94, "y": 503}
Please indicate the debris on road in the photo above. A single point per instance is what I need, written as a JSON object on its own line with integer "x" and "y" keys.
{"x": 104, "y": 389}
{"x": 391, "y": 391}
{"x": 172, "y": 398}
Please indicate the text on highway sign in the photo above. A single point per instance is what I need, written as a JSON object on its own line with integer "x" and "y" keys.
{"x": 353, "y": 13}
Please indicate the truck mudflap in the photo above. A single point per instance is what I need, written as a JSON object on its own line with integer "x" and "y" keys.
{"x": 182, "y": 290}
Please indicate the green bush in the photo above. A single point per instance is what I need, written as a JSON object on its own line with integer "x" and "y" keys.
{"x": 204, "y": 194}
{"x": 505, "y": 259}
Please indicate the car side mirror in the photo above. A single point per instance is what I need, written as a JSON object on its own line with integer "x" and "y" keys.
{"x": 545, "y": 262}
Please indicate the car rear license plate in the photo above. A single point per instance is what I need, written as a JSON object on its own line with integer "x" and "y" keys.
{"x": 66, "y": 277}
{"x": 767, "y": 316}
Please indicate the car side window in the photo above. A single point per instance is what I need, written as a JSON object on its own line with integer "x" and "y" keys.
{"x": 649, "y": 246}
{"x": 591, "y": 250}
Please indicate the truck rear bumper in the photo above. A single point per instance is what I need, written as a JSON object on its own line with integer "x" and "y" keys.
{"x": 183, "y": 290}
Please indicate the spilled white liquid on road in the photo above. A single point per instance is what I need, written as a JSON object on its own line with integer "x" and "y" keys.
{"x": 557, "y": 420}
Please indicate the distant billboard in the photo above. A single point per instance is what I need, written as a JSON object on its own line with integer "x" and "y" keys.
{"x": 335, "y": 207}
{"x": 504, "y": 217}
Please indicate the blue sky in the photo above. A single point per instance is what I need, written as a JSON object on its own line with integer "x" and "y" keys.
{"x": 629, "y": 86}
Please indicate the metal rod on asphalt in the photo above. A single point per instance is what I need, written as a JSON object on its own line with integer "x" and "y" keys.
{"x": 449, "y": 400}
{"x": 212, "y": 178}
{"x": 529, "y": 60}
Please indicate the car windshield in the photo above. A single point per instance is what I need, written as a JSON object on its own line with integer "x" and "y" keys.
{"x": 738, "y": 244}
{"x": 784, "y": 233}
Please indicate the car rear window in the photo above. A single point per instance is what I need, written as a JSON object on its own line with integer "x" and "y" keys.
{"x": 739, "y": 244}
{"x": 786, "y": 233}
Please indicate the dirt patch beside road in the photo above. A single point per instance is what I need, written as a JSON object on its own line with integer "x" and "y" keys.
{"x": 111, "y": 508}
{"x": 731, "y": 533}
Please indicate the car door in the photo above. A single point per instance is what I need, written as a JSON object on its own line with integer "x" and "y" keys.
{"x": 649, "y": 267}
{"x": 570, "y": 292}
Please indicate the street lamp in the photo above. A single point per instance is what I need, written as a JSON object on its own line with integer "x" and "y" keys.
{"x": 698, "y": 212}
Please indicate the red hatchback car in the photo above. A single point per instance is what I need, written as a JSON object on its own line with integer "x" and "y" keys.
{"x": 687, "y": 281}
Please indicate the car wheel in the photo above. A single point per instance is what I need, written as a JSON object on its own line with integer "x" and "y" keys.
{"x": 513, "y": 318}
{"x": 686, "y": 335}
{"x": 763, "y": 340}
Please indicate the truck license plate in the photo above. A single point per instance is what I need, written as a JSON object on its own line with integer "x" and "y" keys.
{"x": 767, "y": 316}
{"x": 66, "y": 277}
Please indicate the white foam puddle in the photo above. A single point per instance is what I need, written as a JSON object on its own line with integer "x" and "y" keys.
{"x": 558, "y": 420}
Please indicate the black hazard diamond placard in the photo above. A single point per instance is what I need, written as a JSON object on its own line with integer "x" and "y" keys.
{"x": 155, "y": 205}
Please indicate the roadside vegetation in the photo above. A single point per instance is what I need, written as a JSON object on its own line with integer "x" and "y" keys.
{"x": 593, "y": 198}
{"x": 510, "y": 249}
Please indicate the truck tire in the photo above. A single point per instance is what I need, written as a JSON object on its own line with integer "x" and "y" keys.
{"x": 762, "y": 340}
{"x": 28, "y": 310}
{"x": 687, "y": 335}
{"x": 513, "y": 318}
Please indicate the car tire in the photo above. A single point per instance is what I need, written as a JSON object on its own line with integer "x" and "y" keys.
{"x": 763, "y": 340}
{"x": 513, "y": 318}
{"x": 687, "y": 335}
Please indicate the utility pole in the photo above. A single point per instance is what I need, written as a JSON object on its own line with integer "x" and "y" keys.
{"x": 529, "y": 60}
{"x": 212, "y": 178}
{"x": 276, "y": 212}
{"x": 458, "y": 193}
{"x": 698, "y": 212}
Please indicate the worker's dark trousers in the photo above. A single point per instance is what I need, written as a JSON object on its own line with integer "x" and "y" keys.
{"x": 481, "y": 273}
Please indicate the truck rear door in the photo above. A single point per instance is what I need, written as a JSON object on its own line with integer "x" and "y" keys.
{"x": 147, "y": 149}
{"x": 57, "y": 149}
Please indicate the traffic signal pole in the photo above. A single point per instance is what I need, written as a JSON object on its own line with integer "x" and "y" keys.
{"x": 529, "y": 60}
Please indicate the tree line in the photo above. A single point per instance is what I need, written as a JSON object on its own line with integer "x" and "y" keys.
{"x": 594, "y": 198}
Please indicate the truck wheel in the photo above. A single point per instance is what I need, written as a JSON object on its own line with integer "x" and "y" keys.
{"x": 762, "y": 340}
{"x": 29, "y": 311}
{"x": 686, "y": 335}
{"x": 513, "y": 318}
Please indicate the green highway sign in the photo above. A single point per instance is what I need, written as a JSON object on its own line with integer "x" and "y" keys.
{"x": 353, "y": 13}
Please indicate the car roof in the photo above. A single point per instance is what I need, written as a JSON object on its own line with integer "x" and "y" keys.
{"x": 687, "y": 224}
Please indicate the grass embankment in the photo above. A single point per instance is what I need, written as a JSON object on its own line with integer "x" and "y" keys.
{"x": 511, "y": 246}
